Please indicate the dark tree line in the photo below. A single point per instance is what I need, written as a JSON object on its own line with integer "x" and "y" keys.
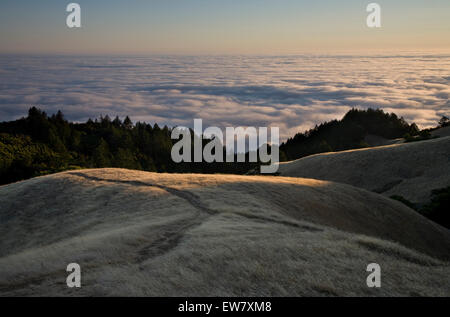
{"x": 436, "y": 210}
{"x": 40, "y": 144}
{"x": 348, "y": 133}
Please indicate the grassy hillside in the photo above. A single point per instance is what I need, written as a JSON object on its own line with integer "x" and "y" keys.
{"x": 139, "y": 233}
{"x": 411, "y": 170}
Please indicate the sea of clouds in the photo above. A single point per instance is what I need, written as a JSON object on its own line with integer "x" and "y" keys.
{"x": 291, "y": 92}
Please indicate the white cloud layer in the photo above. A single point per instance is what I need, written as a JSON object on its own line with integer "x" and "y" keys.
{"x": 291, "y": 92}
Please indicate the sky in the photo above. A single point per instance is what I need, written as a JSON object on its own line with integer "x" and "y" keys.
{"x": 222, "y": 26}
{"x": 286, "y": 63}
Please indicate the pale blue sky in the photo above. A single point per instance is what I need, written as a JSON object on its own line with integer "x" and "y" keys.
{"x": 222, "y": 26}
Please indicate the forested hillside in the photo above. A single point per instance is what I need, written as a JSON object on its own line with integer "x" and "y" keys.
{"x": 40, "y": 144}
{"x": 348, "y": 133}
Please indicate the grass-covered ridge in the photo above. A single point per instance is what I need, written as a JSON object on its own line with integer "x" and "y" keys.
{"x": 147, "y": 234}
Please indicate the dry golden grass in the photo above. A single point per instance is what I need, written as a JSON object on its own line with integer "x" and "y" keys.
{"x": 138, "y": 233}
{"x": 411, "y": 170}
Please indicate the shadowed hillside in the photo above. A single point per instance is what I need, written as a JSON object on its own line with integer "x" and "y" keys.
{"x": 139, "y": 233}
{"x": 411, "y": 170}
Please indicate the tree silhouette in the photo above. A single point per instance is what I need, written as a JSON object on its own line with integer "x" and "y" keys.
{"x": 444, "y": 122}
